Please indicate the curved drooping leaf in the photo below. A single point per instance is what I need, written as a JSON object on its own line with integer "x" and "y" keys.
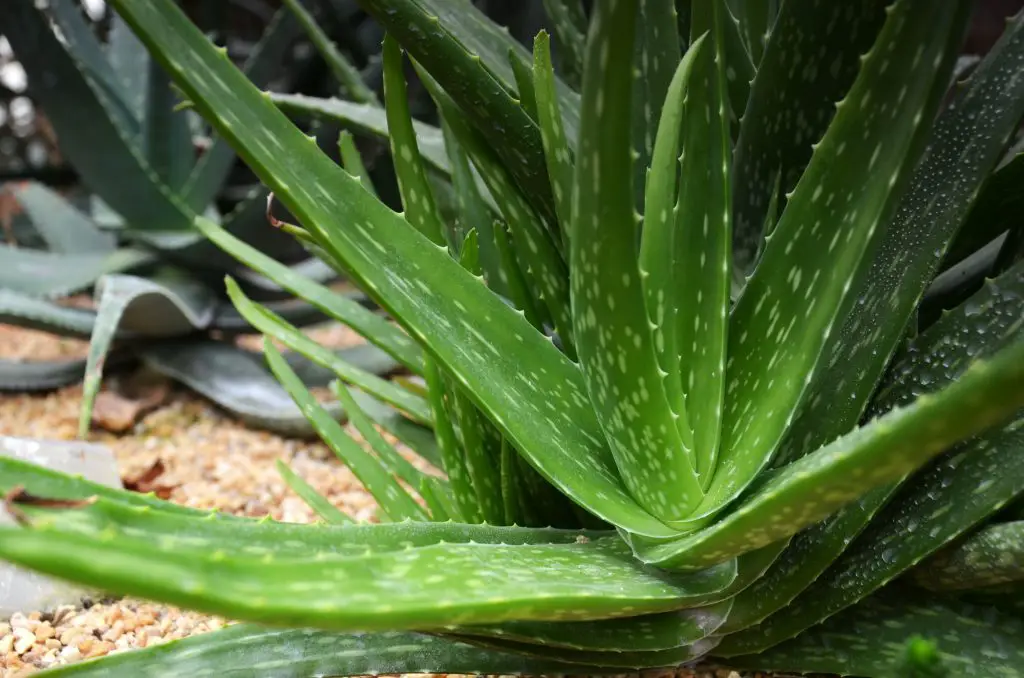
{"x": 809, "y": 63}
{"x": 498, "y": 361}
{"x": 51, "y": 275}
{"x": 40, "y": 375}
{"x": 40, "y": 314}
{"x": 316, "y": 501}
{"x": 569, "y": 24}
{"x": 63, "y": 228}
{"x": 993, "y": 556}
{"x": 869, "y": 639}
{"x": 780, "y": 325}
{"x": 966, "y": 143}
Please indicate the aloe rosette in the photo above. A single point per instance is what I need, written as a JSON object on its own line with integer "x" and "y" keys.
{"x": 700, "y": 374}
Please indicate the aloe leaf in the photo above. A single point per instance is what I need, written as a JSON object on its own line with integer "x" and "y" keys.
{"x": 371, "y": 472}
{"x": 453, "y": 456}
{"x": 967, "y": 142}
{"x": 250, "y": 651}
{"x": 45, "y": 274}
{"x": 992, "y": 556}
{"x": 657, "y": 269}
{"x": 374, "y": 328}
{"x": 103, "y": 154}
{"x": 539, "y": 257}
{"x": 664, "y": 631}
{"x": 214, "y": 165}
{"x": 40, "y": 375}
{"x": 811, "y": 488}
{"x": 869, "y": 640}
{"x": 556, "y": 146}
{"x": 435, "y": 498}
{"x": 38, "y": 314}
{"x": 454, "y": 42}
{"x": 659, "y": 57}
{"x": 482, "y": 465}
{"x": 417, "y": 198}
{"x": 62, "y": 227}
{"x": 524, "y": 84}
{"x": 625, "y": 660}
{"x": 343, "y": 70}
{"x": 756, "y": 22}
{"x": 87, "y": 49}
{"x": 519, "y": 291}
{"x": 352, "y": 161}
{"x": 809, "y": 63}
{"x": 416, "y": 437}
{"x": 168, "y": 138}
{"x": 1011, "y": 251}
{"x": 569, "y": 24}
{"x": 781, "y": 323}
{"x": 366, "y": 119}
{"x": 369, "y": 591}
{"x": 131, "y": 64}
{"x": 616, "y": 346}
{"x": 738, "y": 69}
{"x": 272, "y": 325}
{"x": 385, "y": 451}
{"x": 702, "y": 240}
{"x": 932, "y": 360}
{"x": 365, "y": 357}
{"x": 404, "y": 276}
{"x": 316, "y": 501}
{"x": 993, "y": 212}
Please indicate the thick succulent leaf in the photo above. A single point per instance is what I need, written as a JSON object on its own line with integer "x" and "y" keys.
{"x": 657, "y": 264}
{"x": 375, "y": 329}
{"x": 556, "y": 145}
{"x": 519, "y": 292}
{"x": 917, "y": 522}
{"x": 251, "y": 651}
{"x": 994, "y": 211}
{"x": 498, "y": 361}
{"x": 104, "y": 154}
{"x": 352, "y": 161}
{"x": 756, "y": 20}
{"x": 614, "y": 340}
{"x": 647, "y": 633}
{"x": 231, "y": 378}
{"x": 659, "y": 53}
{"x": 39, "y": 273}
{"x": 166, "y": 305}
{"x": 869, "y": 640}
{"x": 440, "y": 504}
{"x": 739, "y": 69}
{"x": 363, "y": 356}
{"x": 993, "y": 556}
{"x": 524, "y": 84}
{"x": 482, "y": 457}
{"x": 482, "y": 583}
{"x": 453, "y": 40}
{"x": 365, "y": 119}
{"x": 884, "y": 450}
{"x": 536, "y": 252}
{"x": 385, "y": 451}
{"x": 417, "y": 198}
{"x": 453, "y": 456}
{"x": 569, "y": 24}
{"x": 986, "y": 323}
{"x": 63, "y": 228}
{"x": 782, "y": 321}
{"x": 274, "y": 326}
{"x": 372, "y": 472}
{"x": 966, "y": 144}
{"x": 316, "y": 501}
{"x": 214, "y": 165}
{"x": 343, "y": 70}
{"x": 39, "y": 314}
{"x": 626, "y": 659}
{"x": 416, "y": 437}
{"x": 809, "y": 63}
{"x": 130, "y": 62}
{"x": 167, "y": 140}
{"x": 40, "y": 375}
{"x": 702, "y": 240}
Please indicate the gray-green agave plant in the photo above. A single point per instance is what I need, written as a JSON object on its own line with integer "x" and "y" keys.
{"x": 728, "y": 428}
{"x": 156, "y": 281}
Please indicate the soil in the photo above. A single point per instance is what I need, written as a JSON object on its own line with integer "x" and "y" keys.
{"x": 187, "y": 451}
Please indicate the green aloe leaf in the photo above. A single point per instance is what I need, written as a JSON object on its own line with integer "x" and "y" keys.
{"x": 86, "y": 48}
{"x": 167, "y": 137}
{"x": 756, "y": 19}
{"x": 63, "y": 228}
{"x": 130, "y": 62}
{"x": 809, "y": 63}
{"x": 39, "y": 273}
{"x": 251, "y": 651}
{"x": 103, "y": 153}
{"x": 38, "y": 314}
{"x": 978, "y": 328}
{"x": 967, "y": 142}
{"x": 368, "y": 591}
{"x": 556, "y": 145}
{"x": 40, "y": 375}
{"x": 884, "y": 450}
{"x": 992, "y": 556}
{"x": 369, "y": 325}
{"x": 274, "y": 326}
{"x": 524, "y": 84}
{"x": 994, "y": 211}
{"x": 615, "y": 343}
{"x": 316, "y": 501}
{"x": 416, "y": 437}
{"x": 869, "y": 640}
{"x": 352, "y": 161}
{"x": 702, "y": 241}
{"x": 781, "y": 323}
{"x": 372, "y": 472}
{"x": 405, "y": 275}
{"x": 569, "y": 24}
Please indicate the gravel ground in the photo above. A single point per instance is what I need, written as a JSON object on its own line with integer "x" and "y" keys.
{"x": 186, "y": 451}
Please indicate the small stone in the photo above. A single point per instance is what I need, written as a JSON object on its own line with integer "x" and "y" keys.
{"x": 23, "y": 640}
{"x": 70, "y": 654}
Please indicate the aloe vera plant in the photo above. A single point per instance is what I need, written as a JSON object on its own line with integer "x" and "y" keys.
{"x": 722, "y": 413}
{"x": 155, "y": 281}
